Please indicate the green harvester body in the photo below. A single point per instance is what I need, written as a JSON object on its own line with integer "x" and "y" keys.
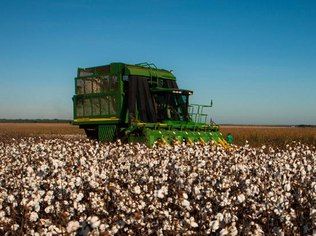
{"x": 138, "y": 103}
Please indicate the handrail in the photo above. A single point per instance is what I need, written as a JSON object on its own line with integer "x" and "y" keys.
{"x": 199, "y": 115}
{"x": 146, "y": 64}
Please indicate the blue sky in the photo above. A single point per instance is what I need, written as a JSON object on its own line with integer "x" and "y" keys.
{"x": 256, "y": 59}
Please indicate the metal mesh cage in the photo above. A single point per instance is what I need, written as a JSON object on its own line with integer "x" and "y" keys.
{"x": 85, "y": 73}
{"x": 95, "y": 106}
{"x": 104, "y": 105}
{"x": 87, "y": 107}
{"x": 100, "y": 84}
{"x": 105, "y": 84}
{"x": 79, "y": 107}
{"x": 87, "y": 86}
{"x": 112, "y": 105}
{"x": 96, "y": 85}
{"x": 80, "y": 86}
{"x": 99, "y": 93}
{"x": 114, "y": 83}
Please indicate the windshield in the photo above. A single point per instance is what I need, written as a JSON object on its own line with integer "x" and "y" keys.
{"x": 171, "y": 106}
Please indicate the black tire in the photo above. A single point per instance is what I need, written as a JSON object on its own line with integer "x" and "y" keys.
{"x": 91, "y": 132}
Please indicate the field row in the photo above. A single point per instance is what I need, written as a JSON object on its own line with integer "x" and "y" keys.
{"x": 256, "y": 135}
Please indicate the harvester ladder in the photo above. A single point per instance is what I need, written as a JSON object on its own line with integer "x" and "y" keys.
{"x": 150, "y": 66}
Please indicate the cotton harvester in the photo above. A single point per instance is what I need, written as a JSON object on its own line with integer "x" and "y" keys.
{"x": 138, "y": 103}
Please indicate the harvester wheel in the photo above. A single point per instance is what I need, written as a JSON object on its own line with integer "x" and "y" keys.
{"x": 92, "y": 133}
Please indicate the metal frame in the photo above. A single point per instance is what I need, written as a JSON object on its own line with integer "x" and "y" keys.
{"x": 108, "y": 126}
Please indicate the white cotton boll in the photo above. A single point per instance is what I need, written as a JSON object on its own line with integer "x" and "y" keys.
{"x": 287, "y": 187}
{"x": 164, "y": 177}
{"x": 162, "y": 192}
{"x": 75, "y": 205}
{"x": 15, "y": 227}
{"x": 102, "y": 227}
{"x": 48, "y": 209}
{"x": 185, "y": 195}
{"x": 201, "y": 164}
{"x": 166, "y": 213}
{"x": 241, "y": 198}
{"x": 94, "y": 184}
{"x": 72, "y": 226}
{"x": 114, "y": 229}
{"x": 8, "y": 210}
{"x": 41, "y": 193}
{"x": 11, "y": 198}
{"x": 54, "y": 230}
{"x": 45, "y": 222}
{"x": 227, "y": 217}
{"x": 29, "y": 170}
{"x": 2, "y": 214}
{"x": 214, "y": 225}
{"x": 223, "y": 232}
{"x": 35, "y": 233}
{"x": 142, "y": 205}
{"x": 49, "y": 196}
{"x": 103, "y": 176}
{"x": 24, "y": 202}
{"x": 78, "y": 181}
{"x": 193, "y": 224}
{"x": 37, "y": 207}
{"x": 197, "y": 190}
{"x": 94, "y": 221}
{"x": 81, "y": 208}
{"x": 79, "y": 197}
{"x": 233, "y": 230}
{"x": 31, "y": 203}
{"x": 43, "y": 167}
{"x": 186, "y": 204}
{"x": 137, "y": 189}
{"x": 33, "y": 216}
{"x": 82, "y": 161}
{"x": 220, "y": 217}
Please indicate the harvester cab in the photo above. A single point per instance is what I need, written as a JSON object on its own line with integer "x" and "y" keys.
{"x": 171, "y": 104}
{"x": 138, "y": 103}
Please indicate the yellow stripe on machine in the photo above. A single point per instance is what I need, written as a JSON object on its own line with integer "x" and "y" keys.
{"x": 96, "y": 119}
{"x": 223, "y": 143}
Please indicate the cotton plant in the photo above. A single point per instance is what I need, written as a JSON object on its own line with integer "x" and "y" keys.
{"x": 58, "y": 186}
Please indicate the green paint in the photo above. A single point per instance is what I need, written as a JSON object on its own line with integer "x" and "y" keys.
{"x": 230, "y": 138}
{"x": 194, "y": 129}
{"x": 149, "y": 72}
{"x": 106, "y": 132}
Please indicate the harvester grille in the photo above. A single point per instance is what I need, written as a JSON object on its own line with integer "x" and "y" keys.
{"x": 107, "y": 132}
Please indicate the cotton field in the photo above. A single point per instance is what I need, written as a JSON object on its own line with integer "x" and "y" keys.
{"x": 56, "y": 186}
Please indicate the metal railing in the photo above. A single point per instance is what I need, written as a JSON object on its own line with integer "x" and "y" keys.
{"x": 197, "y": 112}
